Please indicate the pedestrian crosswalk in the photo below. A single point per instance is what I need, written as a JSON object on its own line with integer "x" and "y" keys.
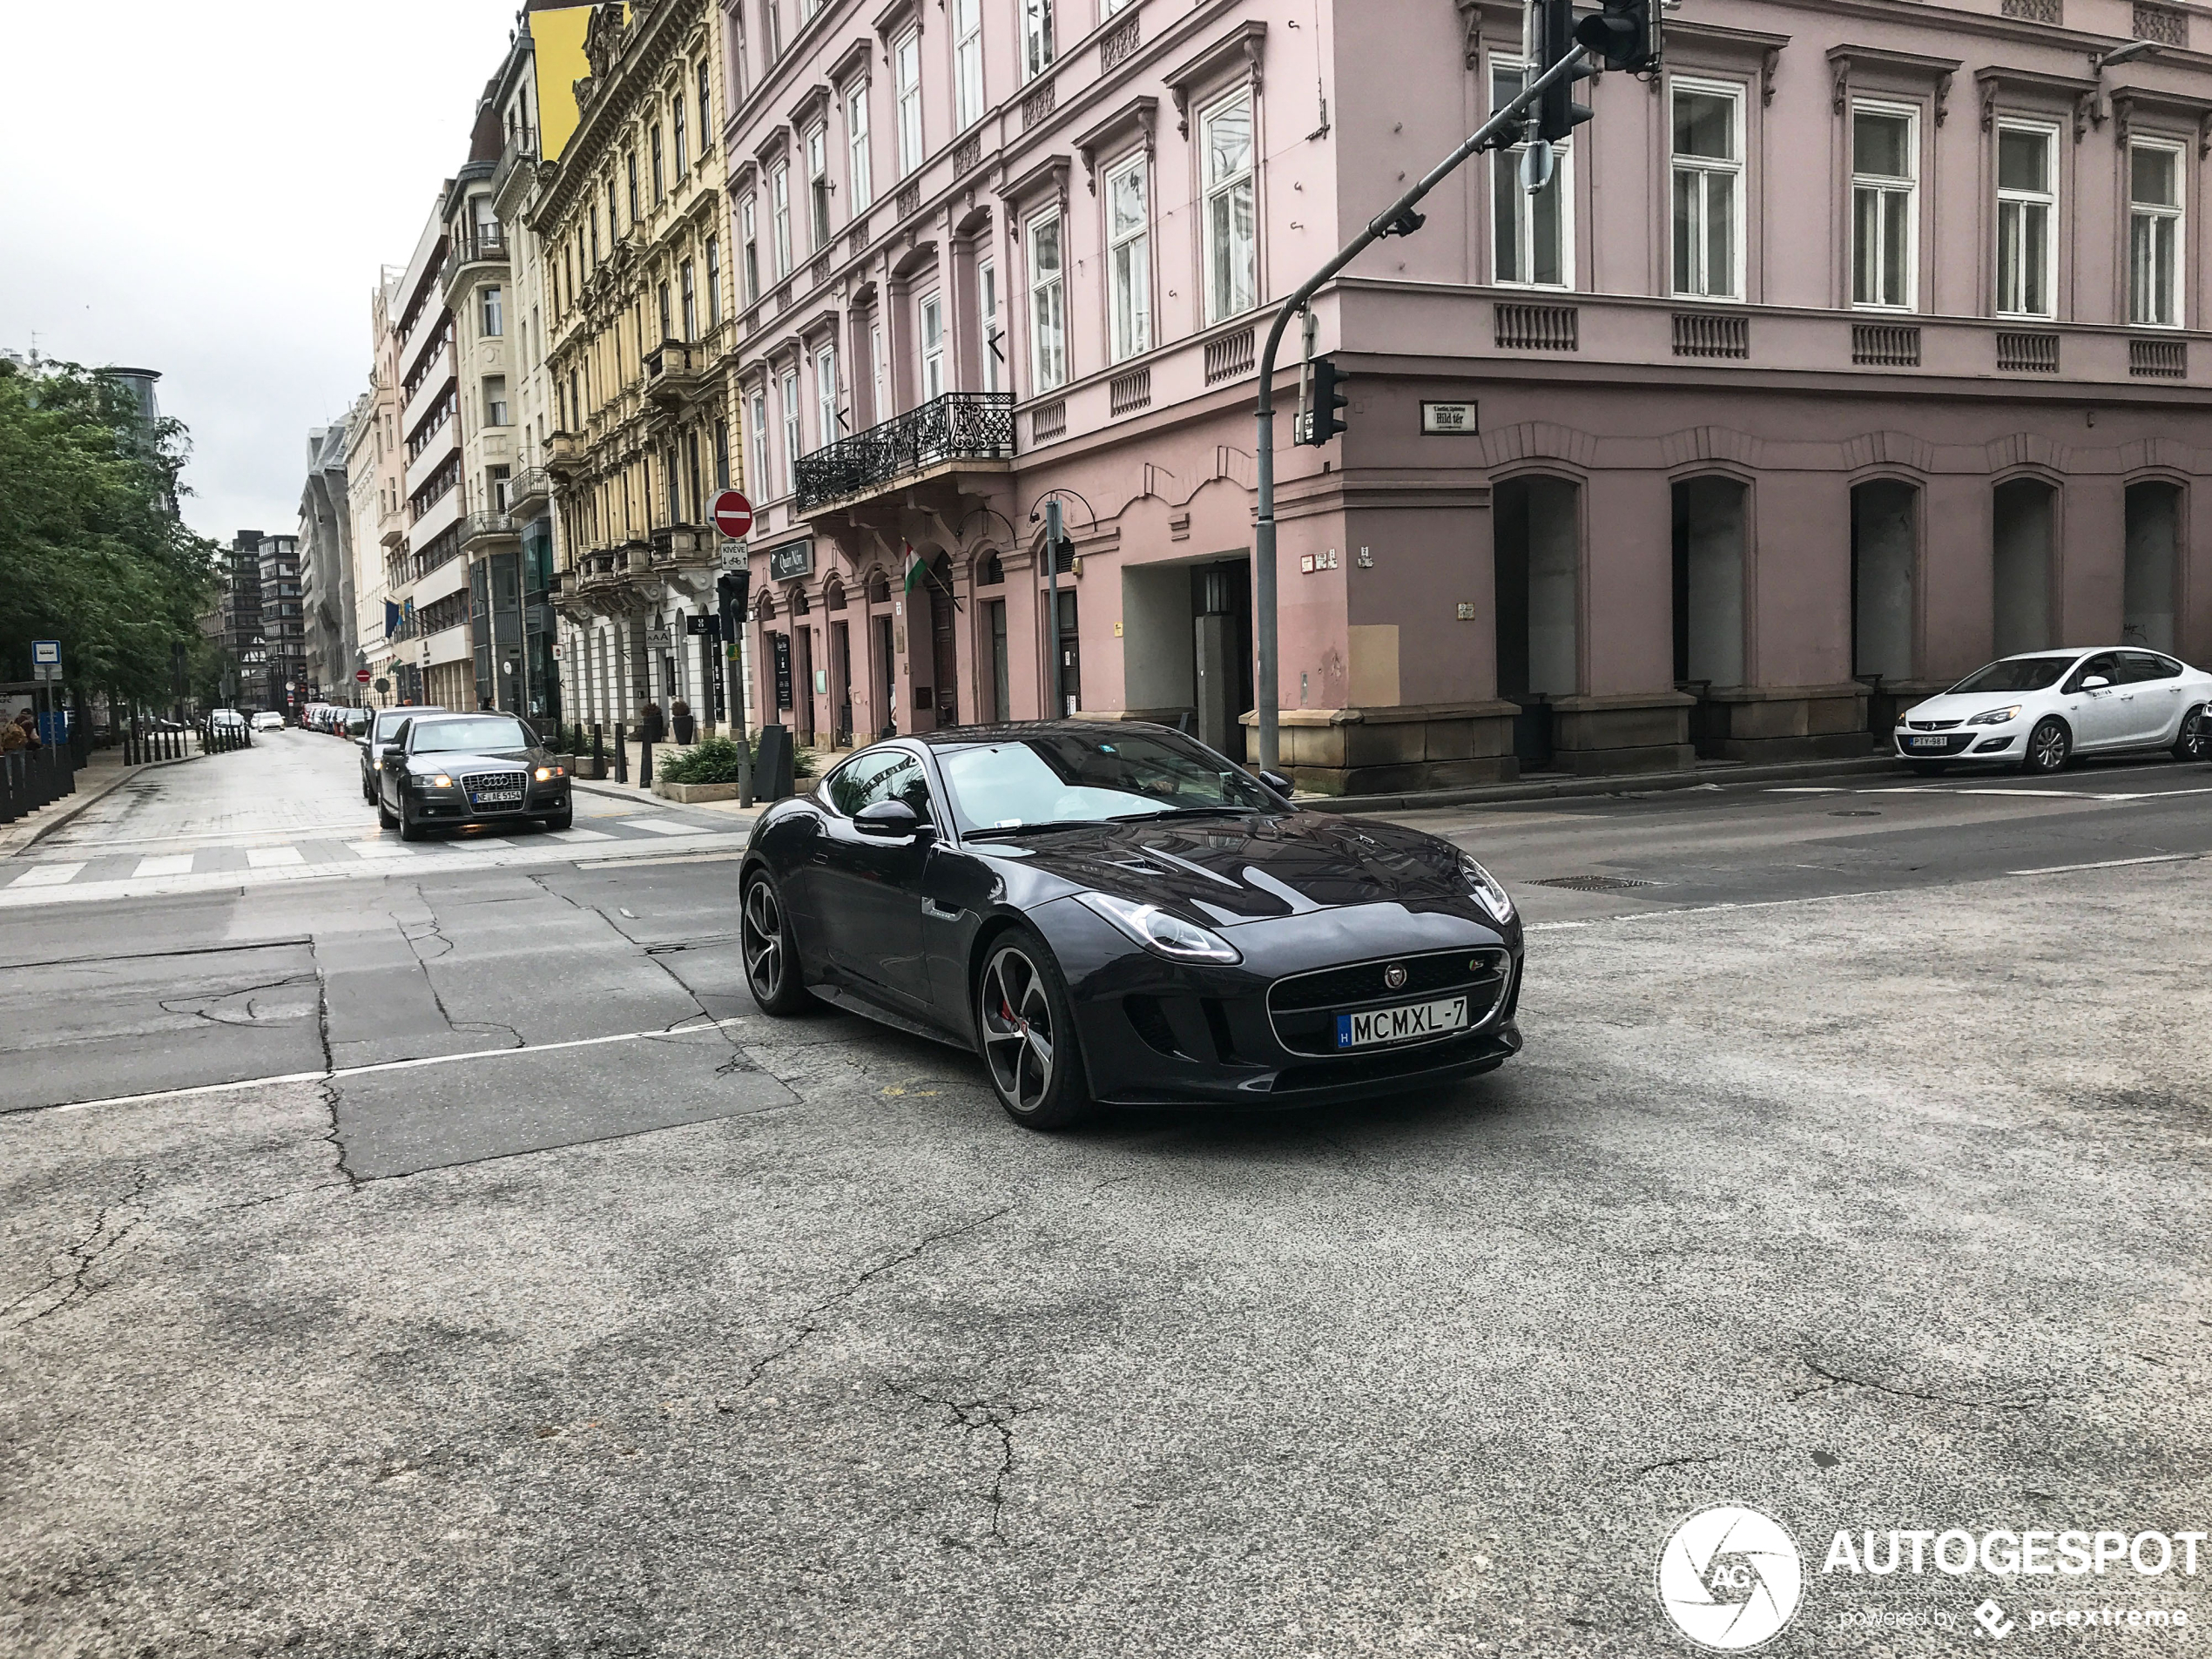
{"x": 132, "y": 874}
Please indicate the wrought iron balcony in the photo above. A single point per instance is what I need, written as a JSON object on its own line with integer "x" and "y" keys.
{"x": 676, "y": 544}
{"x": 532, "y": 485}
{"x": 478, "y": 530}
{"x": 959, "y": 426}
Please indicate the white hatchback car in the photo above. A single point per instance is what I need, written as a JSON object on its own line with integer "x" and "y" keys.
{"x": 268, "y": 720}
{"x": 2037, "y": 712}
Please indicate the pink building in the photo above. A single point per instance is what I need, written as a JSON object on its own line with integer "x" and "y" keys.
{"x": 1850, "y": 350}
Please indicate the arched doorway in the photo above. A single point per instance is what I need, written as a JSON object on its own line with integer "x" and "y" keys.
{"x": 2153, "y": 583}
{"x": 2022, "y": 533}
{"x": 1536, "y": 569}
{"x": 944, "y": 644}
{"x": 1884, "y": 552}
{"x": 1709, "y": 581}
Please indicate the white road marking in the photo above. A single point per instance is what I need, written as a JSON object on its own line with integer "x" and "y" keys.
{"x": 662, "y": 825}
{"x": 47, "y": 875}
{"x": 463, "y": 843}
{"x": 383, "y": 849}
{"x": 274, "y": 857}
{"x": 2110, "y": 864}
{"x": 1831, "y": 789}
{"x": 582, "y": 835}
{"x": 654, "y": 1035}
{"x": 174, "y": 864}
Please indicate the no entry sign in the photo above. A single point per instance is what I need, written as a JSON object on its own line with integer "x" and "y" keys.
{"x": 732, "y": 515}
{"x": 361, "y": 675}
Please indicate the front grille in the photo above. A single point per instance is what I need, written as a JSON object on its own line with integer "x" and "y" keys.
{"x": 1931, "y": 725}
{"x": 1304, "y": 1007}
{"x": 475, "y": 783}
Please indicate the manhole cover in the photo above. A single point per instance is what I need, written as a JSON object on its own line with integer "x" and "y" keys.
{"x": 1856, "y": 811}
{"x": 1596, "y": 883}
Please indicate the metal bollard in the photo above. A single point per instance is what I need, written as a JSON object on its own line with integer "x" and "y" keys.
{"x": 8, "y": 813}
{"x": 598, "y": 751}
{"x": 622, "y": 756}
{"x": 646, "y": 764}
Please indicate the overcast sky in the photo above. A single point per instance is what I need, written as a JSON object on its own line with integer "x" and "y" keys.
{"x": 209, "y": 190}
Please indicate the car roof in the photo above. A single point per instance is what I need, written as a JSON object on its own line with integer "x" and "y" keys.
{"x": 963, "y": 735}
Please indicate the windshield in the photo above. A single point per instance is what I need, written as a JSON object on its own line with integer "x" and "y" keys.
{"x": 389, "y": 720}
{"x": 2016, "y": 674}
{"x": 1071, "y": 779}
{"x": 447, "y": 736}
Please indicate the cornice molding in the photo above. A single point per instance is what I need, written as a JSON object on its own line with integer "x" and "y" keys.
{"x": 1247, "y": 41}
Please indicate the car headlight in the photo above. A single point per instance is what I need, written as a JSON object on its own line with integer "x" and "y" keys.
{"x": 442, "y": 781}
{"x": 1488, "y": 891}
{"x": 1156, "y": 930}
{"x": 1996, "y": 716}
{"x": 547, "y": 774}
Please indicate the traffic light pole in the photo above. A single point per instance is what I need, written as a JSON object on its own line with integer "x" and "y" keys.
{"x": 1486, "y": 137}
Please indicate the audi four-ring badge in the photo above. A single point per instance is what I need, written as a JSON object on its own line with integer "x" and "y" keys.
{"x": 1115, "y": 914}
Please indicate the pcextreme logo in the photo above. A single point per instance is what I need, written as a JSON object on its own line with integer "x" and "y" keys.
{"x": 1730, "y": 1578}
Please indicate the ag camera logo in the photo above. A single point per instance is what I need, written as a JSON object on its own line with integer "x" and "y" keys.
{"x": 1730, "y": 1578}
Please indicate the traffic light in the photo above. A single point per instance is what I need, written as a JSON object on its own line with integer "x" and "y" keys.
{"x": 1557, "y": 114}
{"x": 732, "y": 588}
{"x": 1624, "y": 35}
{"x": 1321, "y": 422}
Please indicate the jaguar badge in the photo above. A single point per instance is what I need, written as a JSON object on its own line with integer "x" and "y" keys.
{"x": 1395, "y": 976}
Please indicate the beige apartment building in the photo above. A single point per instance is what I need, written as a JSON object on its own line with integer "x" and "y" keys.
{"x": 376, "y": 485}
{"x": 632, "y": 226}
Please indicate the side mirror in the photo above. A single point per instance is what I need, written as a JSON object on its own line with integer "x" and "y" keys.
{"x": 2095, "y": 683}
{"x": 887, "y": 820}
{"x": 1279, "y": 783}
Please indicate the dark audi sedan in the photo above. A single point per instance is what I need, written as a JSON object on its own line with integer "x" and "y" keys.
{"x": 461, "y": 769}
{"x": 1117, "y": 915}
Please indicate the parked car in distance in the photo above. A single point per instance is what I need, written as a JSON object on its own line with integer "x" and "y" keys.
{"x": 1115, "y": 914}
{"x": 2039, "y": 710}
{"x": 230, "y": 719}
{"x": 465, "y": 769}
{"x": 382, "y": 724}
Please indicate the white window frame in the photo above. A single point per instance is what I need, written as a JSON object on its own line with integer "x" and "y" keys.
{"x": 860, "y": 176}
{"x": 679, "y": 134}
{"x": 688, "y": 302}
{"x": 1047, "y": 304}
{"x": 2175, "y": 301}
{"x": 757, "y": 412}
{"x": 779, "y": 216}
{"x": 1709, "y": 167}
{"x": 989, "y": 365}
{"x": 1885, "y": 187}
{"x": 906, "y": 80}
{"x": 1037, "y": 38}
{"x": 967, "y": 63}
{"x": 826, "y": 394}
{"x": 1220, "y": 308}
{"x": 2047, "y": 198}
{"x": 713, "y": 282}
{"x": 930, "y": 331}
{"x": 818, "y": 184}
{"x": 882, "y": 412}
{"x": 1128, "y": 263}
{"x": 749, "y": 248}
{"x": 1505, "y": 176}
{"x": 491, "y": 317}
{"x": 794, "y": 434}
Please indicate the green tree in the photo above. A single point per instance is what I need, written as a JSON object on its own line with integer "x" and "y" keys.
{"x": 92, "y": 550}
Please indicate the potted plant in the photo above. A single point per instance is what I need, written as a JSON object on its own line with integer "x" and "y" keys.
{"x": 680, "y": 721}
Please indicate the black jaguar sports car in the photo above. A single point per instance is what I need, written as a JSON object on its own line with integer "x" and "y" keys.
{"x": 1114, "y": 915}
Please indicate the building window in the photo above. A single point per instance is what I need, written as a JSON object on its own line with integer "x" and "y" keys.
{"x": 496, "y": 400}
{"x": 932, "y": 313}
{"x": 1128, "y": 259}
{"x": 690, "y": 302}
{"x": 495, "y": 320}
{"x": 905, "y": 71}
{"x": 2155, "y": 235}
{"x": 991, "y": 357}
{"x": 772, "y": 16}
{"x": 749, "y": 248}
{"x": 756, "y": 418}
{"x": 826, "y": 394}
{"x": 779, "y": 216}
{"x": 1884, "y": 209}
{"x": 706, "y": 109}
{"x": 713, "y": 281}
{"x": 1036, "y": 38}
{"x": 2026, "y": 220}
{"x": 1535, "y": 234}
{"x": 595, "y": 228}
{"x": 629, "y": 167}
{"x": 882, "y": 409}
{"x": 677, "y": 136}
{"x": 660, "y": 179}
{"x": 1233, "y": 241}
{"x": 795, "y": 445}
{"x": 818, "y": 186}
{"x": 667, "y": 314}
{"x": 856, "y": 130}
{"x": 1047, "y": 304}
{"x": 721, "y": 455}
{"x": 1708, "y": 180}
{"x": 967, "y": 62}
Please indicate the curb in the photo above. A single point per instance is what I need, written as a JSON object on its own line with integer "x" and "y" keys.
{"x": 1613, "y": 783}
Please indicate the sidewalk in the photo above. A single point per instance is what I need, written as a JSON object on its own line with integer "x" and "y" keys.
{"x": 103, "y": 773}
{"x": 644, "y": 798}
{"x": 1708, "y": 775}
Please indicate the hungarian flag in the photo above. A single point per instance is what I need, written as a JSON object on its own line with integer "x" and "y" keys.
{"x": 916, "y": 570}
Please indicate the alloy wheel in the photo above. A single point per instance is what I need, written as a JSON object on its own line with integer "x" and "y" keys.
{"x": 2047, "y": 747}
{"x": 1018, "y": 1034}
{"x": 762, "y": 941}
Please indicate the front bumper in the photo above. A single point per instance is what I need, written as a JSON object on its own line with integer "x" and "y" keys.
{"x": 453, "y": 805}
{"x": 1156, "y": 1033}
{"x": 1979, "y": 743}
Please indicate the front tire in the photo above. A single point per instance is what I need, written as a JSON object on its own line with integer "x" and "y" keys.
{"x": 1029, "y": 1031}
{"x": 2194, "y": 742}
{"x": 764, "y": 942}
{"x": 384, "y": 818}
{"x": 409, "y": 830}
{"x": 2049, "y": 747}
{"x": 565, "y": 819}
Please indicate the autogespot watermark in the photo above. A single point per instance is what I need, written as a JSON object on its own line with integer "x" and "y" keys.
{"x": 1731, "y": 1578}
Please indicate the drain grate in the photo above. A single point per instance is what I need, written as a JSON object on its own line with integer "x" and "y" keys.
{"x": 1856, "y": 811}
{"x": 1596, "y": 883}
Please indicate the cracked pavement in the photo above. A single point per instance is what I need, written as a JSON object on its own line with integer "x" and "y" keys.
{"x": 678, "y": 1330}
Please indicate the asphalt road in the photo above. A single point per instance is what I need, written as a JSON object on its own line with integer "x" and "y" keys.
{"x": 436, "y": 1254}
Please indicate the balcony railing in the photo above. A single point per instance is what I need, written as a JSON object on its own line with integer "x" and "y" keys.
{"x": 532, "y": 484}
{"x": 959, "y": 426}
{"x": 484, "y": 527}
{"x": 675, "y": 544}
{"x": 479, "y": 242}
